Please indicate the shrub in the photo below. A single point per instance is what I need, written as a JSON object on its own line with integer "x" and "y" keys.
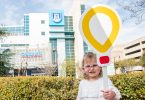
{"x": 131, "y": 86}
{"x": 38, "y": 88}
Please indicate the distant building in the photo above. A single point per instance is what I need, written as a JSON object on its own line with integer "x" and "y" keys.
{"x": 134, "y": 49}
{"x": 57, "y": 34}
{"x": 53, "y": 32}
{"x": 58, "y": 30}
{"x": 131, "y": 50}
{"x": 134, "y": 68}
{"x": 117, "y": 53}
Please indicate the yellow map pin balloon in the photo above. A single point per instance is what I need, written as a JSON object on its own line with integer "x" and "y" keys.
{"x": 86, "y": 32}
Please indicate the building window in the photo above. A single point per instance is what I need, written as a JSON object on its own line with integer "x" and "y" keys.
{"x": 143, "y": 42}
{"x": 15, "y": 30}
{"x": 69, "y": 48}
{"x": 69, "y": 34}
{"x": 82, "y": 8}
{"x": 133, "y": 52}
{"x": 42, "y": 21}
{"x": 68, "y": 24}
{"x": 26, "y": 25}
{"x": 42, "y": 33}
{"x": 85, "y": 47}
{"x": 134, "y": 45}
{"x": 54, "y": 50}
{"x": 16, "y": 45}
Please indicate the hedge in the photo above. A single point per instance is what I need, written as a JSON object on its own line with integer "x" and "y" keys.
{"x": 131, "y": 86}
{"x": 38, "y": 88}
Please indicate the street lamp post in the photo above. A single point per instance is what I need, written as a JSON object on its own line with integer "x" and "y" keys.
{"x": 114, "y": 64}
{"x": 26, "y": 68}
{"x": 55, "y": 63}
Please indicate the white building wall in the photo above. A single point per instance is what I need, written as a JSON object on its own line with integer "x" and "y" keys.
{"x": 135, "y": 55}
{"x": 140, "y": 47}
{"x": 117, "y": 53}
{"x": 61, "y": 57}
{"x": 57, "y": 35}
{"x": 32, "y": 61}
{"x": 58, "y": 28}
{"x": 15, "y": 40}
{"x": 76, "y": 13}
{"x": 35, "y": 28}
{"x": 54, "y": 33}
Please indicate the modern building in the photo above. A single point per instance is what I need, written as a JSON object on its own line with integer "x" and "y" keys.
{"x": 52, "y": 31}
{"x": 52, "y": 38}
{"x": 32, "y": 58}
{"x": 117, "y": 53}
{"x": 134, "y": 49}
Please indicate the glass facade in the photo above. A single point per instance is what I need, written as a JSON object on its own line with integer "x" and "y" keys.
{"x": 54, "y": 50}
{"x": 85, "y": 47}
{"x": 84, "y": 44}
{"x": 68, "y": 24}
{"x": 9, "y": 45}
{"x": 82, "y": 8}
{"x": 15, "y": 30}
{"x": 69, "y": 34}
{"x": 26, "y": 24}
{"x": 65, "y": 33}
{"x": 69, "y": 47}
{"x": 69, "y": 41}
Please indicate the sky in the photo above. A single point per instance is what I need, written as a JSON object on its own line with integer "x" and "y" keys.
{"x": 12, "y": 12}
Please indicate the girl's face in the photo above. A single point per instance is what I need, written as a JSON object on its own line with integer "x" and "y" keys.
{"x": 91, "y": 69}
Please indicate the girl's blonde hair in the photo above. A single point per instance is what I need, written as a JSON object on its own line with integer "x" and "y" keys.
{"x": 89, "y": 55}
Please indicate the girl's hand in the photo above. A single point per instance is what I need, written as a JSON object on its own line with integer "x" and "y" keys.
{"x": 108, "y": 94}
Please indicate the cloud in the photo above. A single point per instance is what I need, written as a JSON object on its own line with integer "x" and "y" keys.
{"x": 8, "y": 15}
{"x": 12, "y": 11}
{"x": 131, "y": 32}
{"x": 90, "y": 3}
{"x": 54, "y": 4}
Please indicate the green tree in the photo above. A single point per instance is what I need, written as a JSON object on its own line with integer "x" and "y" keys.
{"x": 126, "y": 63}
{"x": 5, "y": 64}
{"x": 5, "y": 56}
{"x": 3, "y": 33}
{"x": 142, "y": 59}
{"x": 69, "y": 67}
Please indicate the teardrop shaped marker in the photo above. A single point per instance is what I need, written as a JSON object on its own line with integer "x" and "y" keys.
{"x": 88, "y": 36}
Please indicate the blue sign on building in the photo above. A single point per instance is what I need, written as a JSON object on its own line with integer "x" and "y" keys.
{"x": 56, "y": 18}
{"x": 31, "y": 54}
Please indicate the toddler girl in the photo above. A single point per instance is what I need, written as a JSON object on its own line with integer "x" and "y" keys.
{"x": 91, "y": 87}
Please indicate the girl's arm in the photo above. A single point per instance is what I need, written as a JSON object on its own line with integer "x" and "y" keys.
{"x": 114, "y": 89}
{"x": 79, "y": 91}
